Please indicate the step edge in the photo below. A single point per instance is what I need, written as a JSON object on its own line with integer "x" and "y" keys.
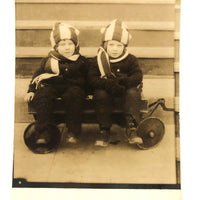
{"x": 136, "y": 25}
{"x": 96, "y": 1}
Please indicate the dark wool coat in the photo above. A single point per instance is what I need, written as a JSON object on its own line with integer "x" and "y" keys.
{"x": 127, "y": 71}
{"x": 74, "y": 76}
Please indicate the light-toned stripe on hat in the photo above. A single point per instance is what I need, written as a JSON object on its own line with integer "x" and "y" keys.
{"x": 52, "y": 39}
{"x": 109, "y": 31}
{"x": 65, "y": 32}
{"x": 124, "y": 38}
{"x": 56, "y": 32}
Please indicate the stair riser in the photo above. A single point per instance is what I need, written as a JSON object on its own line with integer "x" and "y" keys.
{"x": 136, "y": 12}
{"x": 40, "y": 38}
{"x": 140, "y": 52}
{"x": 25, "y": 67}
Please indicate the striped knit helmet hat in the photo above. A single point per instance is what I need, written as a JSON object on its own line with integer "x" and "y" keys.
{"x": 116, "y": 30}
{"x": 63, "y": 31}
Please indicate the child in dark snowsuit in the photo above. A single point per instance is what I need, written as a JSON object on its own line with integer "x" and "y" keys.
{"x": 115, "y": 73}
{"x": 61, "y": 74}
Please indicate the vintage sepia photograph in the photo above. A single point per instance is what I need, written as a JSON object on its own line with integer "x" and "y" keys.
{"x": 97, "y": 94}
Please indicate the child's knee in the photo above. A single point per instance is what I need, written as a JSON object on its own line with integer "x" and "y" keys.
{"x": 74, "y": 93}
{"x": 44, "y": 94}
{"x": 101, "y": 95}
{"x": 133, "y": 93}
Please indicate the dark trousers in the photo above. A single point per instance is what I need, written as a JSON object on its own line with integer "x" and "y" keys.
{"x": 44, "y": 103}
{"x": 104, "y": 104}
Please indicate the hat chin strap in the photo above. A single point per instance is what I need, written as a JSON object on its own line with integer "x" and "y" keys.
{"x": 120, "y": 58}
{"x": 54, "y": 54}
{"x": 73, "y": 57}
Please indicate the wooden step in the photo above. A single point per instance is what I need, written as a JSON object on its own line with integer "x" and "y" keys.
{"x": 25, "y": 67}
{"x": 90, "y": 38}
{"x": 140, "y": 52}
{"x": 99, "y": 1}
{"x": 88, "y": 11}
{"x": 88, "y": 24}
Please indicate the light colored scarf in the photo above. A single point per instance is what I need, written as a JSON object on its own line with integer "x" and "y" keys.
{"x": 104, "y": 61}
{"x": 52, "y": 66}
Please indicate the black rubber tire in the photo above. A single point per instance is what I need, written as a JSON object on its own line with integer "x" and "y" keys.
{"x": 150, "y": 124}
{"x": 31, "y": 135}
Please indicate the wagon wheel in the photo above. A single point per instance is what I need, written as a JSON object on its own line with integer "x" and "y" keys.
{"x": 44, "y": 141}
{"x": 151, "y": 130}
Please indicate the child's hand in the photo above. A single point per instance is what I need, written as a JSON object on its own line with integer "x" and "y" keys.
{"x": 114, "y": 88}
{"x": 29, "y": 97}
{"x": 111, "y": 82}
{"x": 117, "y": 90}
{"x": 123, "y": 81}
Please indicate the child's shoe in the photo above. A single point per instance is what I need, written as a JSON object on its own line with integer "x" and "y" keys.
{"x": 133, "y": 138}
{"x": 41, "y": 141}
{"x": 44, "y": 138}
{"x": 103, "y": 138}
{"x": 71, "y": 139}
{"x": 131, "y": 131}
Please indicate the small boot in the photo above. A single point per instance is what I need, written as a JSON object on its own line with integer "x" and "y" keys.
{"x": 71, "y": 139}
{"x": 131, "y": 131}
{"x": 133, "y": 138}
{"x": 103, "y": 138}
{"x": 42, "y": 134}
{"x": 43, "y": 138}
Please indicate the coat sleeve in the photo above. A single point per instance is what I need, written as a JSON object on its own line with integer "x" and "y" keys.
{"x": 94, "y": 77}
{"x": 39, "y": 71}
{"x": 135, "y": 75}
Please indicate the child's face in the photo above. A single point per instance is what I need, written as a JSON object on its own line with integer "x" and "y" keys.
{"x": 66, "y": 48}
{"x": 115, "y": 48}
